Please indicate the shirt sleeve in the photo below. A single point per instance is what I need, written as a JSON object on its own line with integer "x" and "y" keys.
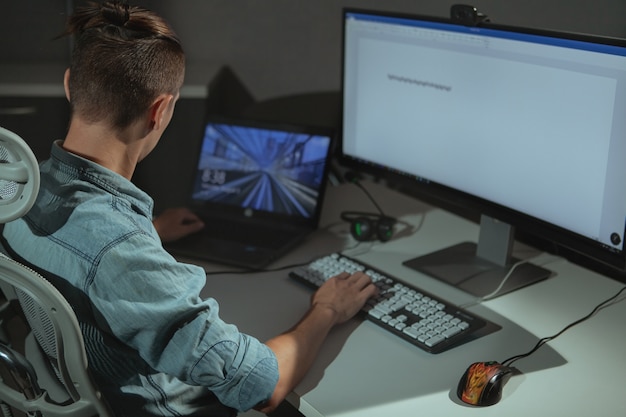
{"x": 151, "y": 303}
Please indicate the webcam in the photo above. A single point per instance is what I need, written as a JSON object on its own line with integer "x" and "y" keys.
{"x": 467, "y": 15}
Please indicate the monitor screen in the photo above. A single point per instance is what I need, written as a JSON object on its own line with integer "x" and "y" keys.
{"x": 525, "y": 126}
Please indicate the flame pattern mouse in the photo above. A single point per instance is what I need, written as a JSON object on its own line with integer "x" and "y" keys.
{"x": 482, "y": 383}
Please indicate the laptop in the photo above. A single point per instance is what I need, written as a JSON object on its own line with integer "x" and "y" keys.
{"x": 258, "y": 187}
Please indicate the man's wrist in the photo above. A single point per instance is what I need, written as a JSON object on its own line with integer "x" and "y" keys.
{"x": 327, "y": 310}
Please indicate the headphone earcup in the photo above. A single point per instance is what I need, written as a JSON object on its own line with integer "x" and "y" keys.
{"x": 368, "y": 226}
{"x": 384, "y": 228}
{"x": 361, "y": 228}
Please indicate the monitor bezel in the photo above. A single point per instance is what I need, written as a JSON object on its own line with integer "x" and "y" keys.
{"x": 544, "y": 235}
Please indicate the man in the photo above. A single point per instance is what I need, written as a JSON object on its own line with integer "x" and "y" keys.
{"x": 155, "y": 347}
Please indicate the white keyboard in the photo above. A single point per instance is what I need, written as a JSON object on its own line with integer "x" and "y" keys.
{"x": 422, "y": 319}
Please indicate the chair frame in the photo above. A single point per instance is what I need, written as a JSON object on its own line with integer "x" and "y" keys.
{"x": 52, "y": 320}
{"x": 72, "y": 359}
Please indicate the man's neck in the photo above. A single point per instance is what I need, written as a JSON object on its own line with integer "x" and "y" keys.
{"x": 104, "y": 146}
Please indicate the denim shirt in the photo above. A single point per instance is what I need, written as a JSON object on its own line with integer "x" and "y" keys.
{"x": 154, "y": 346}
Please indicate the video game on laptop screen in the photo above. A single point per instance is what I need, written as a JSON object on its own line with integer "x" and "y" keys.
{"x": 256, "y": 168}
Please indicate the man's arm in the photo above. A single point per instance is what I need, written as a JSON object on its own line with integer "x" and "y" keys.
{"x": 336, "y": 301}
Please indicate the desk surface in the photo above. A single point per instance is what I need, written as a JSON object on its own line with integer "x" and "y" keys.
{"x": 362, "y": 371}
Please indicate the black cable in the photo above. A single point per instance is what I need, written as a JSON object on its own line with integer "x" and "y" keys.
{"x": 256, "y": 271}
{"x": 545, "y": 340}
{"x": 354, "y": 179}
{"x": 280, "y": 268}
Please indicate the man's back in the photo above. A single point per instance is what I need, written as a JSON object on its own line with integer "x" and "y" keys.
{"x": 90, "y": 233}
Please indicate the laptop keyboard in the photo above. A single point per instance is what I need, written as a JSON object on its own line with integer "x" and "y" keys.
{"x": 254, "y": 235}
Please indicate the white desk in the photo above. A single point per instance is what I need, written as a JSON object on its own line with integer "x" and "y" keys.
{"x": 362, "y": 371}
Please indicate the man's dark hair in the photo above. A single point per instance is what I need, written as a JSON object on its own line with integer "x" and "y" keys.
{"x": 123, "y": 58}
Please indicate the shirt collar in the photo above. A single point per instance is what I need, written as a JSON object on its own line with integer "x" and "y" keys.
{"x": 104, "y": 178}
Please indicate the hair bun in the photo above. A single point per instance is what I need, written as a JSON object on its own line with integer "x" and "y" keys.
{"x": 116, "y": 13}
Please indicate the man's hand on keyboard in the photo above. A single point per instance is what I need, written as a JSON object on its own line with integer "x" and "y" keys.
{"x": 336, "y": 301}
{"x": 345, "y": 294}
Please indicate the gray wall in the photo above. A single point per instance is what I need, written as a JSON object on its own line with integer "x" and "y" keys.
{"x": 285, "y": 46}
{"x": 282, "y": 46}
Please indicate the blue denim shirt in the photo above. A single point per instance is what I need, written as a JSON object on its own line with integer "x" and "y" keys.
{"x": 155, "y": 347}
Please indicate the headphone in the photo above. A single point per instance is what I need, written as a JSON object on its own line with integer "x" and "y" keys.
{"x": 369, "y": 226}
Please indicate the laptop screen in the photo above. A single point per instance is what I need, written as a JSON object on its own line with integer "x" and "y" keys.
{"x": 260, "y": 168}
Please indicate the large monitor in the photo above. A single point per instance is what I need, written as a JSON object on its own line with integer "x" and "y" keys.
{"x": 525, "y": 126}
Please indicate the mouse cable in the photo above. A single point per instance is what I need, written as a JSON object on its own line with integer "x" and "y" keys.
{"x": 545, "y": 340}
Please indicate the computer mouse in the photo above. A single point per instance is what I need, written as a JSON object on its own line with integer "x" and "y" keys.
{"x": 482, "y": 383}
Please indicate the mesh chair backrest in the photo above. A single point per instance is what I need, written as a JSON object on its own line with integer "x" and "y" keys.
{"x": 19, "y": 176}
{"x": 50, "y": 317}
{"x": 40, "y": 322}
{"x": 43, "y": 330}
{"x": 8, "y": 189}
{"x": 59, "y": 331}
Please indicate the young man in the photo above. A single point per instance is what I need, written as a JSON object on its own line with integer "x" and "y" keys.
{"x": 155, "y": 347}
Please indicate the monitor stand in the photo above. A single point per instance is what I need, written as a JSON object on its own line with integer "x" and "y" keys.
{"x": 480, "y": 269}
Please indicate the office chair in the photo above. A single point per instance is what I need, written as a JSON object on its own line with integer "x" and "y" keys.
{"x": 52, "y": 377}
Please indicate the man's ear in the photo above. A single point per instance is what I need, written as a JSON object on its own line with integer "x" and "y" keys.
{"x": 161, "y": 111}
{"x": 66, "y": 83}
